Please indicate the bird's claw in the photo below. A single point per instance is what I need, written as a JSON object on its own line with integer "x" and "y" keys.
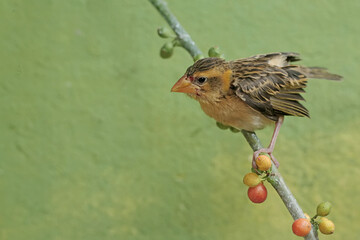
{"x": 264, "y": 150}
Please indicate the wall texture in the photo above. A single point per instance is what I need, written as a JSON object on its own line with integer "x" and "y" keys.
{"x": 94, "y": 146}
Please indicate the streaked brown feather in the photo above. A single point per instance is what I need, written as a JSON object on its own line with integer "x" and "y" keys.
{"x": 252, "y": 92}
{"x": 272, "y": 90}
{"x": 290, "y": 96}
{"x": 205, "y": 64}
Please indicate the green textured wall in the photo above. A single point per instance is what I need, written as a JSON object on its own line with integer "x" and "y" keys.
{"x": 94, "y": 146}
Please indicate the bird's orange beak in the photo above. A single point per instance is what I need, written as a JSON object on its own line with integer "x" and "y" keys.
{"x": 184, "y": 85}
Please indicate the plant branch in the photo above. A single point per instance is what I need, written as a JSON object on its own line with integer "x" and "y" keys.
{"x": 182, "y": 35}
{"x": 275, "y": 179}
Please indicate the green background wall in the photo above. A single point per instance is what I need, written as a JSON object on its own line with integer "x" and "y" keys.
{"x": 94, "y": 146}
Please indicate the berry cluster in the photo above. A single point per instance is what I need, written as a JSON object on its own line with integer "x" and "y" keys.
{"x": 302, "y": 226}
{"x": 257, "y": 192}
{"x": 167, "y": 49}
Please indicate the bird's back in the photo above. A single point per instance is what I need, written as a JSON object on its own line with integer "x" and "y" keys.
{"x": 270, "y": 84}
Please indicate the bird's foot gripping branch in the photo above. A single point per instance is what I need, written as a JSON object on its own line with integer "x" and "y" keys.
{"x": 195, "y": 84}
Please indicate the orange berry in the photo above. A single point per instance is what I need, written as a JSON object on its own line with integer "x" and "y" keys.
{"x": 263, "y": 162}
{"x": 251, "y": 179}
{"x": 301, "y": 227}
{"x": 326, "y": 226}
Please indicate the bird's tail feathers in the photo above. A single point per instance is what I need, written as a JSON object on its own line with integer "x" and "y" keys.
{"x": 320, "y": 73}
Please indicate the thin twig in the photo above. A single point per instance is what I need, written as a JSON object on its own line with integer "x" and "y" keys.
{"x": 275, "y": 179}
{"x": 181, "y": 34}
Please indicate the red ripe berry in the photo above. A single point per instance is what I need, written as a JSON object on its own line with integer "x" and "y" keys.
{"x": 301, "y": 227}
{"x": 258, "y": 193}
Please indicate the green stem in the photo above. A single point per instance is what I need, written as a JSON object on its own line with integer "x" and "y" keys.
{"x": 275, "y": 179}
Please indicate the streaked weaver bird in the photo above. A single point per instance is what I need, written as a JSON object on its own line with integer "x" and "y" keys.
{"x": 251, "y": 93}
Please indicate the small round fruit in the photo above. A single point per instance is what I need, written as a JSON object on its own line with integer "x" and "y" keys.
{"x": 214, "y": 52}
{"x": 164, "y": 32}
{"x": 198, "y": 57}
{"x": 221, "y": 126}
{"x": 234, "y": 130}
{"x": 263, "y": 162}
{"x": 301, "y": 227}
{"x": 257, "y": 194}
{"x": 167, "y": 50}
{"x": 323, "y": 209}
{"x": 251, "y": 179}
{"x": 326, "y": 226}
{"x": 307, "y": 216}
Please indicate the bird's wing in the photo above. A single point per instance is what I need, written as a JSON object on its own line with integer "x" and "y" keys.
{"x": 279, "y": 59}
{"x": 272, "y": 90}
{"x": 284, "y": 59}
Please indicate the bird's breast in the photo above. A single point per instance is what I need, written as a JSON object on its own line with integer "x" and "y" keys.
{"x": 232, "y": 111}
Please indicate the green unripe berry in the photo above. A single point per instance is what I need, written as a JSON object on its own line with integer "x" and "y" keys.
{"x": 198, "y": 57}
{"x": 167, "y": 50}
{"x": 221, "y": 126}
{"x": 164, "y": 32}
{"x": 323, "y": 209}
{"x": 234, "y": 130}
{"x": 214, "y": 52}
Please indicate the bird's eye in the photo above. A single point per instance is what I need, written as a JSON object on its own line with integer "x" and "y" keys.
{"x": 201, "y": 80}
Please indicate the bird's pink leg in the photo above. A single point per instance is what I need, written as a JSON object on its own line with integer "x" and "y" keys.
{"x": 271, "y": 147}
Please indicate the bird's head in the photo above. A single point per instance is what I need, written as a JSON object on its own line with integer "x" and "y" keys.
{"x": 206, "y": 80}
